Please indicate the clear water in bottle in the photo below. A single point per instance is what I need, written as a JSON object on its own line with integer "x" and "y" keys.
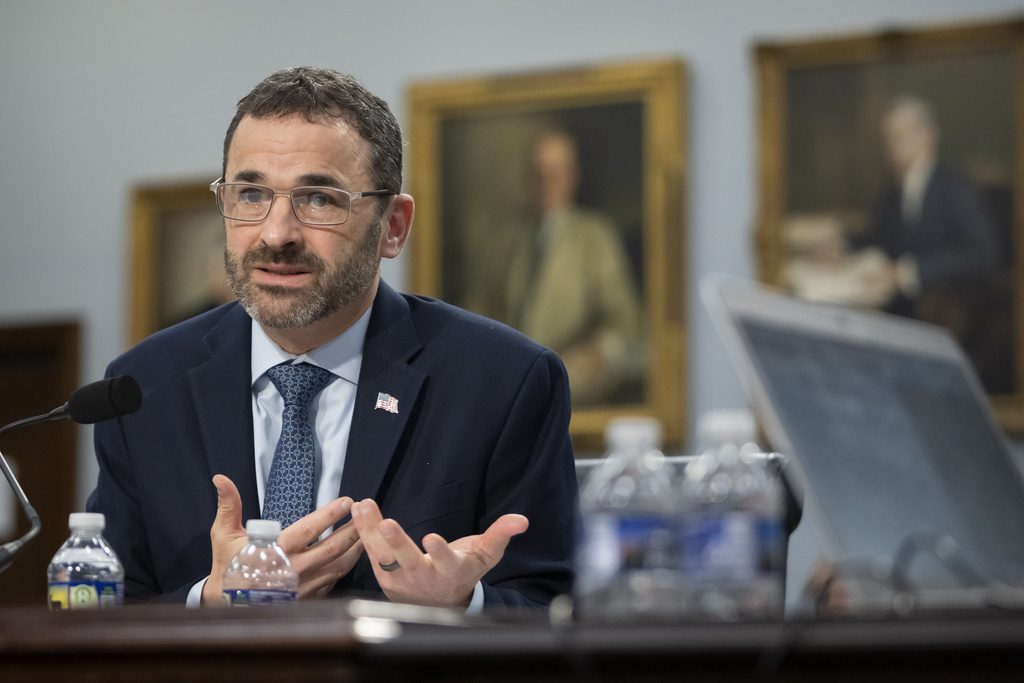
{"x": 732, "y": 535}
{"x": 260, "y": 573}
{"x": 627, "y": 558}
{"x": 85, "y": 573}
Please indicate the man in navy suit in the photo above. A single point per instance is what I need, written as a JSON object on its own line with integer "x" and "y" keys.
{"x": 929, "y": 221}
{"x": 442, "y": 435}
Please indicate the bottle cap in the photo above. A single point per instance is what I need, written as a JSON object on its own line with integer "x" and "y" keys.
{"x": 716, "y": 428}
{"x": 633, "y": 432}
{"x": 87, "y": 520}
{"x": 263, "y": 528}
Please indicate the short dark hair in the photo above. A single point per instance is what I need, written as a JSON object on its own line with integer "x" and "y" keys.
{"x": 319, "y": 95}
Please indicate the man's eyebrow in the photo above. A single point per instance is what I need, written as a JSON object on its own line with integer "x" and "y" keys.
{"x": 311, "y": 179}
{"x": 248, "y": 177}
{"x": 308, "y": 180}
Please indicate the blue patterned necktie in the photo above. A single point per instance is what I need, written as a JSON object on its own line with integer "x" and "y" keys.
{"x": 291, "y": 485}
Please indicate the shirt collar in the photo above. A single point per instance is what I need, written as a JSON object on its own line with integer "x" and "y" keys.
{"x": 916, "y": 178}
{"x": 551, "y": 223}
{"x": 342, "y": 356}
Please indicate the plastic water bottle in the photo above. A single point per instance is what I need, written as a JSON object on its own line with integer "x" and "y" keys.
{"x": 627, "y": 558}
{"x": 85, "y": 573}
{"x": 260, "y": 573}
{"x": 732, "y": 535}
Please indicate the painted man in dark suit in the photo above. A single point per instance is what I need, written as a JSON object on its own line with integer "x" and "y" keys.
{"x": 928, "y": 220}
{"x": 444, "y": 435}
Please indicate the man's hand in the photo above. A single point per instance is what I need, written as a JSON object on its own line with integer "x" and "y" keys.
{"x": 446, "y": 574}
{"x": 319, "y": 564}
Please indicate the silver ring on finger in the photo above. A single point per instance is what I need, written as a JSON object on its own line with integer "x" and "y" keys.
{"x": 390, "y": 566}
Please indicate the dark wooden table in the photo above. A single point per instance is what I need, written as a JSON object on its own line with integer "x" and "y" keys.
{"x": 339, "y": 641}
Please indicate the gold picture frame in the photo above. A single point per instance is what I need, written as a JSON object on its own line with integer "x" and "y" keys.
{"x": 834, "y": 218}
{"x": 473, "y": 143}
{"x": 176, "y": 257}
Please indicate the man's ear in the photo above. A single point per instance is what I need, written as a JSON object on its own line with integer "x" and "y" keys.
{"x": 398, "y": 223}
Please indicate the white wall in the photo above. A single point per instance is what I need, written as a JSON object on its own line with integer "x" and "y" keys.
{"x": 100, "y": 95}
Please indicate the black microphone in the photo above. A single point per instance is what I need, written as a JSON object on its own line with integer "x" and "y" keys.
{"x": 101, "y": 400}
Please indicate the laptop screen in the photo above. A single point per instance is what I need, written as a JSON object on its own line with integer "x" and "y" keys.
{"x": 892, "y": 443}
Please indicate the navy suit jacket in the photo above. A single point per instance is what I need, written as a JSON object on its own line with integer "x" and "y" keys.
{"x": 482, "y": 430}
{"x": 953, "y": 238}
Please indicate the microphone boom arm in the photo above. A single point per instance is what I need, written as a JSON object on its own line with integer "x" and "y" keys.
{"x": 101, "y": 400}
{"x": 10, "y": 549}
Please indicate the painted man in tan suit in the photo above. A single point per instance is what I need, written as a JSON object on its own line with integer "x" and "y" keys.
{"x": 570, "y": 286}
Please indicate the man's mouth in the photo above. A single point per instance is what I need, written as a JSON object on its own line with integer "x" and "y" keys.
{"x": 282, "y": 269}
{"x": 279, "y": 273}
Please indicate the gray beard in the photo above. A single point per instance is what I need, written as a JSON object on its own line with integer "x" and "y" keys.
{"x": 332, "y": 289}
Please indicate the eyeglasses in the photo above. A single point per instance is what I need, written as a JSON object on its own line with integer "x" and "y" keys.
{"x": 312, "y": 205}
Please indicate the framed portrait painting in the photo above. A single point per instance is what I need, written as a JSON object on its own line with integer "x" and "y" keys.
{"x": 176, "y": 261}
{"x": 552, "y": 202}
{"x": 890, "y": 178}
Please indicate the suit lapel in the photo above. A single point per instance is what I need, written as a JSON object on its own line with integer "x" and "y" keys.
{"x": 222, "y": 397}
{"x": 391, "y": 341}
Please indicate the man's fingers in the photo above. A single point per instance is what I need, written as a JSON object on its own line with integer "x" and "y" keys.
{"x": 229, "y": 507}
{"x": 227, "y": 535}
{"x": 494, "y": 541}
{"x": 307, "y": 529}
{"x": 445, "y": 559}
{"x": 319, "y": 582}
{"x": 402, "y": 548}
{"x": 365, "y": 513}
{"x": 446, "y": 573}
{"x": 509, "y": 525}
{"x": 326, "y": 550}
{"x": 384, "y": 539}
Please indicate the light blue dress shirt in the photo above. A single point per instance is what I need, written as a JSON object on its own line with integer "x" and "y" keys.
{"x": 331, "y": 410}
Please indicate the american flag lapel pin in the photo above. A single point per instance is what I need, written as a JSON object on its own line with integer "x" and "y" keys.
{"x": 387, "y": 402}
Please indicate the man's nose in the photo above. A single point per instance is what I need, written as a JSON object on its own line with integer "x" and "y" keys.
{"x": 281, "y": 227}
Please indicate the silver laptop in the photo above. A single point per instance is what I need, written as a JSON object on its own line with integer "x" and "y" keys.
{"x": 890, "y": 431}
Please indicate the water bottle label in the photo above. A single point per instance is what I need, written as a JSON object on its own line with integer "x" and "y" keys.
{"x": 612, "y": 543}
{"x": 85, "y": 595}
{"x": 242, "y": 597}
{"x": 730, "y": 545}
